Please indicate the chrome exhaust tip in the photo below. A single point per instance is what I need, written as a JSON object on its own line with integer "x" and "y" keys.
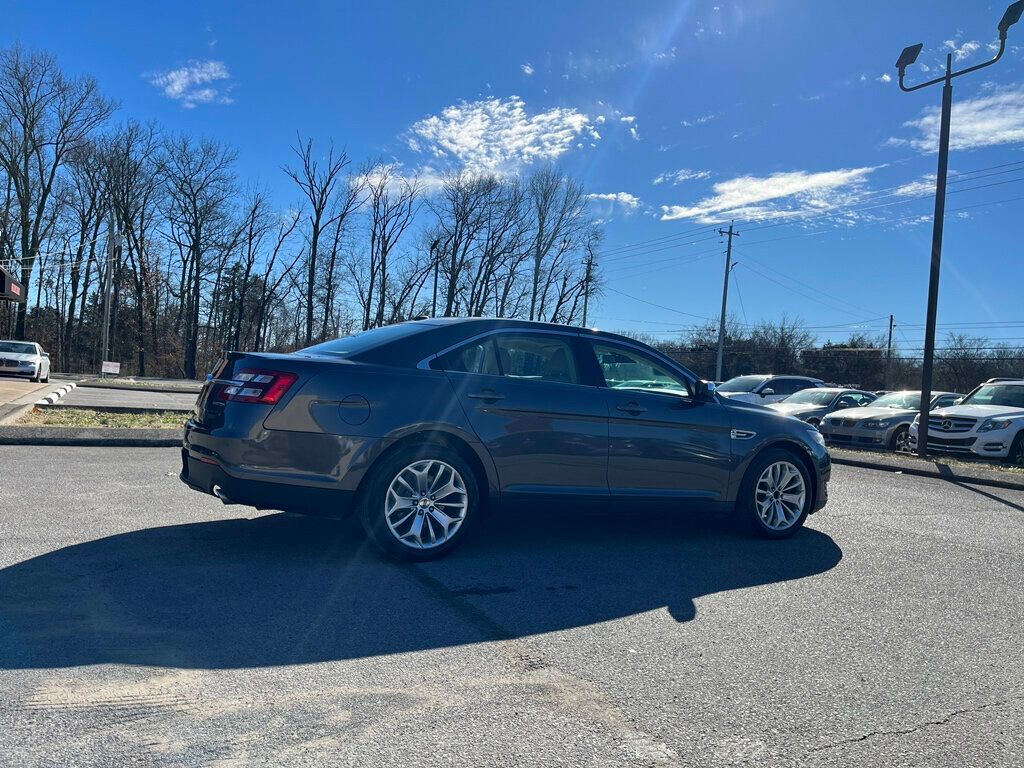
{"x": 219, "y": 493}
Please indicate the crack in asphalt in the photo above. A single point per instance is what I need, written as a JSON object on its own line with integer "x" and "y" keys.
{"x": 920, "y": 726}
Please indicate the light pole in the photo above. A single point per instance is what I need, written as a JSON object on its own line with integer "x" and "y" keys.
{"x": 908, "y": 57}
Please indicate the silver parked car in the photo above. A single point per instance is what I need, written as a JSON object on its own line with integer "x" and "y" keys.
{"x": 762, "y": 389}
{"x": 884, "y": 424}
{"x": 24, "y": 358}
{"x": 812, "y": 405}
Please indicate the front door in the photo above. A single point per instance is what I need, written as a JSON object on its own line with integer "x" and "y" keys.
{"x": 663, "y": 443}
{"x": 546, "y": 432}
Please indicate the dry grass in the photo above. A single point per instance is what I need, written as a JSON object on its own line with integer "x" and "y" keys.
{"x": 86, "y": 417}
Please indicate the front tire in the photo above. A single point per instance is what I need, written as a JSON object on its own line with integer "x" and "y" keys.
{"x": 420, "y": 502}
{"x": 900, "y": 441}
{"x": 776, "y": 494}
{"x": 1015, "y": 458}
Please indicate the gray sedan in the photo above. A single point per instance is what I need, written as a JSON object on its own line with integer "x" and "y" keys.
{"x": 885, "y": 424}
{"x": 812, "y": 405}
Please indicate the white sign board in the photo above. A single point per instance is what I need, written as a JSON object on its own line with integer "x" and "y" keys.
{"x": 110, "y": 367}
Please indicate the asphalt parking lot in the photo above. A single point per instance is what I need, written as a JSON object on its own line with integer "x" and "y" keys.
{"x": 142, "y": 623}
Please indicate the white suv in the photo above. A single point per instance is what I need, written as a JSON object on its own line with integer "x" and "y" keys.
{"x": 988, "y": 422}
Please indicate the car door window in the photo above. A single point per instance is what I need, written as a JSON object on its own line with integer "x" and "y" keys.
{"x": 848, "y": 401}
{"x": 536, "y": 356}
{"x": 783, "y": 387}
{"x": 624, "y": 368}
{"x": 945, "y": 401}
{"x": 477, "y": 357}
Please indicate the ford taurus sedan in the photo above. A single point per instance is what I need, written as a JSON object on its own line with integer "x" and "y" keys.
{"x": 422, "y": 427}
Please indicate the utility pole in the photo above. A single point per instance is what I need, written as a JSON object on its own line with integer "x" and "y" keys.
{"x": 1010, "y": 17}
{"x": 586, "y": 286}
{"x": 107, "y": 290}
{"x": 888, "y": 352}
{"x": 725, "y": 298}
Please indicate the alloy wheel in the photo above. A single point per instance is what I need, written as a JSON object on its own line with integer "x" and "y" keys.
{"x": 780, "y": 495}
{"x": 426, "y": 504}
{"x": 903, "y": 441}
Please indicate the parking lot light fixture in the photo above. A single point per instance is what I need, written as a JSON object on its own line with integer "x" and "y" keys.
{"x": 909, "y": 55}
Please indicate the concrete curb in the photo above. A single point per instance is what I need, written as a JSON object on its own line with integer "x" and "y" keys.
{"x": 53, "y": 397}
{"x": 959, "y": 473}
{"x": 91, "y": 437}
{"x": 183, "y": 390}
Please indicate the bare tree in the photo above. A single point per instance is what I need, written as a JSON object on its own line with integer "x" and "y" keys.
{"x": 559, "y": 221}
{"x": 199, "y": 181}
{"x": 332, "y": 200}
{"x": 44, "y": 116}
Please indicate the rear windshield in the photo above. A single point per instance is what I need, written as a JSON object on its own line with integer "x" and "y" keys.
{"x": 18, "y": 348}
{"x": 1011, "y": 395}
{"x": 742, "y": 384}
{"x": 360, "y": 342}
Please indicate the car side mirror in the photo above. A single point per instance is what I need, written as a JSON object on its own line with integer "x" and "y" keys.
{"x": 768, "y": 392}
{"x": 45, "y": 354}
{"x": 703, "y": 391}
{"x": 842, "y": 406}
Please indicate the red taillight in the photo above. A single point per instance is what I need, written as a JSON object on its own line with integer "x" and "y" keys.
{"x": 257, "y": 386}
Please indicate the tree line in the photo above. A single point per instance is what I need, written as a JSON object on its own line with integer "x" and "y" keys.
{"x": 785, "y": 346}
{"x": 157, "y": 230}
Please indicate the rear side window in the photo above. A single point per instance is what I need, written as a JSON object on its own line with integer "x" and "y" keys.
{"x": 479, "y": 357}
{"x": 532, "y": 356}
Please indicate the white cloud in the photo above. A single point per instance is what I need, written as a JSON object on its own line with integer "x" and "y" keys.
{"x": 633, "y": 132}
{"x": 183, "y": 84}
{"x": 665, "y": 56}
{"x": 527, "y": 68}
{"x": 698, "y": 120}
{"x": 678, "y": 177}
{"x": 885, "y": 78}
{"x": 498, "y": 135}
{"x": 781, "y": 195}
{"x": 918, "y": 188}
{"x": 628, "y": 119}
{"x": 961, "y": 52}
{"x": 624, "y": 199}
{"x": 994, "y": 117}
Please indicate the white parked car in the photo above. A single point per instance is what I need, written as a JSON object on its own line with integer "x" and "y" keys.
{"x": 988, "y": 422}
{"x": 765, "y": 388}
{"x": 24, "y": 358}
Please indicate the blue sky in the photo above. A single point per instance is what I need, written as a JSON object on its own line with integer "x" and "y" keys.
{"x": 780, "y": 114}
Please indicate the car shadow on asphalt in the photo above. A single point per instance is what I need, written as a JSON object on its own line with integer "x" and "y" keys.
{"x": 280, "y": 589}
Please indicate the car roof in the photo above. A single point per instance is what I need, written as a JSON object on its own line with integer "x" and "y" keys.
{"x": 484, "y": 324}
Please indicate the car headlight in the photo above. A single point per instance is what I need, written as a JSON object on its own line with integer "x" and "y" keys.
{"x": 991, "y": 425}
{"x": 917, "y": 419}
{"x": 817, "y": 437}
{"x": 26, "y": 363}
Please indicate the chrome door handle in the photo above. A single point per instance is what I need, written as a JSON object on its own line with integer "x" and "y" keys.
{"x": 487, "y": 394}
{"x": 631, "y": 408}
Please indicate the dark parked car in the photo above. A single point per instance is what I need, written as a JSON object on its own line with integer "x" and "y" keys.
{"x": 812, "y": 405}
{"x": 422, "y": 426}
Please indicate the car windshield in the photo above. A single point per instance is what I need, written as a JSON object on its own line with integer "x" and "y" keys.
{"x": 910, "y": 401}
{"x": 360, "y": 342}
{"x": 812, "y": 397}
{"x": 742, "y": 384}
{"x": 1011, "y": 395}
{"x": 17, "y": 347}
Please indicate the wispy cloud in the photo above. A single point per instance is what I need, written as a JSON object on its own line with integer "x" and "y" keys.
{"x": 499, "y": 135}
{"x": 192, "y": 84}
{"x": 962, "y": 51}
{"x": 994, "y": 117}
{"x": 678, "y": 177}
{"x": 781, "y": 195}
{"x": 885, "y": 77}
{"x": 527, "y": 68}
{"x": 698, "y": 120}
{"x": 623, "y": 199}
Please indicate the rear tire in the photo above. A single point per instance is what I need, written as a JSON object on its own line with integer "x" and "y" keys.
{"x": 776, "y": 494}
{"x": 420, "y": 502}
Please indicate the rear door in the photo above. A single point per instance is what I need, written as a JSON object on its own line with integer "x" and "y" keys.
{"x": 663, "y": 444}
{"x": 526, "y": 397}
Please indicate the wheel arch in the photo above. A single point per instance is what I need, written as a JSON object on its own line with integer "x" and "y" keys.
{"x": 790, "y": 446}
{"x": 478, "y": 460}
